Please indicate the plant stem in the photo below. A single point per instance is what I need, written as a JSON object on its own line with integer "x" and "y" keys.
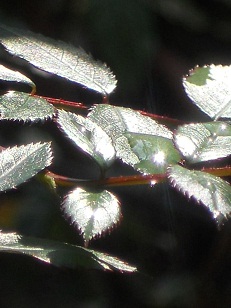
{"x": 163, "y": 119}
{"x": 67, "y": 105}
{"x": 108, "y": 182}
{"x": 132, "y": 180}
{"x": 223, "y": 171}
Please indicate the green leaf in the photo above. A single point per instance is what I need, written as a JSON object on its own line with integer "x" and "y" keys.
{"x": 58, "y": 58}
{"x": 117, "y": 121}
{"x": 209, "y": 88}
{"x": 154, "y": 153}
{"x": 24, "y": 107}
{"x": 13, "y": 76}
{"x": 88, "y": 136}
{"x": 204, "y": 141}
{"x": 198, "y": 76}
{"x": 92, "y": 212}
{"x": 208, "y": 189}
{"x": 18, "y": 164}
{"x": 61, "y": 254}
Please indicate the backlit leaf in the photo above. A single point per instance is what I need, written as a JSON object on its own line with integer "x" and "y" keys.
{"x": 208, "y": 189}
{"x": 92, "y": 212}
{"x": 18, "y": 164}
{"x": 13, "y": 76}
{"x": 155, "y": 153}
{"x": 209, "y": 88}
{"x": 88, "y": 136}
{"x": 58, "y": 58}
{"x": 117, "y": 121}
{"x": 24, "y": 107}
{"x": 61, "y": 254}
{"x": 204, "y": 141}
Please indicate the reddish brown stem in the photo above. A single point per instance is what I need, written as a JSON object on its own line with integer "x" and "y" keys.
{"x": 108, "y": 182}
{"x": 163, "y": 119}
{"x": 224, "y": 171}
{"x": 61, "y": 102}
{"x": 131, "y": 180}
{"x": 76, "y": 105}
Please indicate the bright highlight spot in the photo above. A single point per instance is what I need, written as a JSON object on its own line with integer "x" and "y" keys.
{"x": 223, "y": 126}
{"x": 159, "y": 158}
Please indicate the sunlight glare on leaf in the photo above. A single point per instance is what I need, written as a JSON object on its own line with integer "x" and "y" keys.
{"x": 24, "y": 107}
{"x": 122, "y": 125}
{"x": 58, "y": 58}
{"x": 61, "y": 254}
{"x": 9, "y": 75}
{"x": 92, "y": 212}
{"x": 209, "y": 88}
{"x": 88, "y": 136}
{"x": 18, "y": 164}
{"x": 208, "y": 189}
{"x": 203, "y": 141}
{"x": 155, "y": 153}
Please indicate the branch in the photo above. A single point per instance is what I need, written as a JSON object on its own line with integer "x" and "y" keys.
{"x": 224, "y": 171}
{"x": 67, "y": 105}
{"x": 131, "y": 180}
{"x": 163, "y": 119}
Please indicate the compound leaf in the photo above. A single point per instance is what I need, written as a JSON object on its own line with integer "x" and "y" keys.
{"x": 88, "y": 136}
{"x": 118, "y": 121}
{"x": 61, "y": 254}
{"x": 24, "y": 107}
{"x": 208, "y": 189}
{"x": 155, "y": 153}
{"x": 58, "y": 58}
{"x": 18, "y": 164}
{"x": 92, "y": 212}
{"x": 7, "y": 74}
{"x": 204, "y": 141}
{"x": 209, "y": 88}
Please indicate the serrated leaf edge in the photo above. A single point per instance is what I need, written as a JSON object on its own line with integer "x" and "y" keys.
{"x": 80, "y": 230}
{"x": 219, "y": 218}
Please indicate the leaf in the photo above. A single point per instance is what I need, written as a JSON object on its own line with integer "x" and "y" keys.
{"x": 88, "y": 136}
{"x": 61, "y": 254}
{"x": 204, "y": 141}
{"x": 7, "y": 74}
{"x": 155, "y": 153}
{"x": 117, "y": 121}
{"x": 92, "y": 212}
{"x": 208, "y": 189}
{"x": 58, "y": 58}
{"x": 24, "y": 107}
{"x": 209, "y": 88}
{"x": 18, "y": 164}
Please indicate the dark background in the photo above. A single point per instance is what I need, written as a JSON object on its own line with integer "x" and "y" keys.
{"x": 184, "y": 261}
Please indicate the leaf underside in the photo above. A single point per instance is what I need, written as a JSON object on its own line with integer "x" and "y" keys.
{"x": 7, "y": 74}
{"x": 58, "y": 58}
{"x": 92, "y": 212}
{"x": 204, "y": 141}
{"x": 61, "y": 254}
{"x": 24, "y": 107}
{"x": 209, "y": 88}
{"x": 208, "y": 189}
{"x": 18, "y": 164}
{"x": 88, "y": 136}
